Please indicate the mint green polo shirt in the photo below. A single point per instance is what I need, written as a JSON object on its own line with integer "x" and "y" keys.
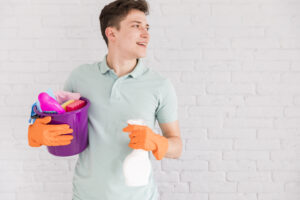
{"x": 140, "y": 94}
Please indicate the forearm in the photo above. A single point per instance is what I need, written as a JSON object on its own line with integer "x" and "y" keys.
{"x": 174, "y": 147}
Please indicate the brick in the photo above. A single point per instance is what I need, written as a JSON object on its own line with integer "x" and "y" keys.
{"x": 165, "y": 187}
{"x": 45, "y": 165}
{"x": 42, "y": 32}
{"x": 290, "y": 43}
{"x": 246, "y": 144}
{"x": 263, "y": 77}
{"x": 238, "y": 32}
{"x": 278, "y": 165}
{"x": 279, "y": 176}
{"x": 236, "y": 10}
{"x": 278, "y": 196}
{"x": 185, "y": 9}
{"x": 248, "y": 123}
{"x": 290, "y": 144}
{"x": 196, "y": 77}
{"x": 187, "y": 133}
{"x": 213, "y": 187}
{"x": 277, "y": 54}
{"x": 57, "y": 44}
{"x": 230, "y": 88}
{"x": 246, "y": 155}
{"x": 67, "y": 21}
{"x": 261, "y": 19}
{"x": 190, "y": 89}
{"x": 186, "y": 100}
{"x": 3, "y": 55}
{"x": 234, "y": 196}
{"x": 220, "y": 100}
{"x": 38, "y": 195}
{"x": 201, "y": 155}
{"x": 53, "y": 176}
{"x": 248, "y": 177}
{"x": 290, "y": 77}
{"x": 196, "y": 176}
{"x": 255, "y": 43}
{"x": 32, "y": 55}
{"x": 201, "y": 122}
{"x": 219, "y": 144}
{"x": 287, "y": 123}
{"x": 181, "y": 187}
{"x": 292, "y": 187}
{"x": 260, "y": 187}
{"x": 8, "y": 196}
{"x": 65, "y": 187}
{"x": 266, "y": 66}
{"x": 170, "y": 177}
{"x": 214, "y": 133}
{"x": 295, "y": 65}
{"x": 176, "y": 164}
{"x": 210, "y": 111}
{"x": 30, "y": 187}
{"x": 8, "y": 32}
{"x": 269, "y": 100}
{"x": 180, "y": 196}
{"x": 281, "y": 8}
{"x": 286, "y": 155}
{"x": 47, "y": 2}
{"x": 217, "y": 21}
{"x": 238, "y": 165}
{"x": 258, "y": 111}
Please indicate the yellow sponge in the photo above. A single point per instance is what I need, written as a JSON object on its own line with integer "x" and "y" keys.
{"x": 64, "y": 105}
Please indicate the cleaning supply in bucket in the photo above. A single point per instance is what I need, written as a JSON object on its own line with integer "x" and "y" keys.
{"x": 77, "y": 104}
{"x": 63, "y": 96}
{"x": 137, "y": 166}
{"x": 64, "y": 105}
{"x": 48, "y": 103}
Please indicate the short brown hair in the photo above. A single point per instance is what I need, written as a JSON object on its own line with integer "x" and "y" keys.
{"x": 113, "y": 13}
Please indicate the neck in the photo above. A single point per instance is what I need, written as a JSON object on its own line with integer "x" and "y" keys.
{"x": 120, "y": 64}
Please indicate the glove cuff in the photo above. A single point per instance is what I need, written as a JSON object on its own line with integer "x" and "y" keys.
{"x": 161, "y": 147}
{"x": 31, "y": 142}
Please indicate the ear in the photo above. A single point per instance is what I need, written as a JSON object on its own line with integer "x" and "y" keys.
{"x": 109, "y": 32}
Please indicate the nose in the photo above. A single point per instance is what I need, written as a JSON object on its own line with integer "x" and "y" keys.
{"x": 144, "y": 32}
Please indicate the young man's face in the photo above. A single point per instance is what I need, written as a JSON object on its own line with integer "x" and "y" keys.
{"x": 132, "y": 39}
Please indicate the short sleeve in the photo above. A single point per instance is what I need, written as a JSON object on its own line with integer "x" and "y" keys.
{"x": 166, "y": 110}
{"x": 69, "y": 84}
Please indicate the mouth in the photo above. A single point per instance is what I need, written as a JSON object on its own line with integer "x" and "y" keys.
{"x": 142, "y": 44}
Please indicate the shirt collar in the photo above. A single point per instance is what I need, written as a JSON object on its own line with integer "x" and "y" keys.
{"x": 137, "y": 71}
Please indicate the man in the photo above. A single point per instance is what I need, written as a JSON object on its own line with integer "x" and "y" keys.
{"x": 119, "y": 88}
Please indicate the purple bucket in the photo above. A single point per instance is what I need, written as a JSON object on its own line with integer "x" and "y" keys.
{"x": 78, "y": 121}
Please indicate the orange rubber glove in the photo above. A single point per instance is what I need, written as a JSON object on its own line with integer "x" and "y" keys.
{"x": 41, "y": 133}
{"x": 142, "y": 137}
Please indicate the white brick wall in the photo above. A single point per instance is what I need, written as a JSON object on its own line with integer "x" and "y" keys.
{"x": 235, "y": 65}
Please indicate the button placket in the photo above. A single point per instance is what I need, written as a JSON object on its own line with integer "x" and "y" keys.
{"x": 114, "y": 91}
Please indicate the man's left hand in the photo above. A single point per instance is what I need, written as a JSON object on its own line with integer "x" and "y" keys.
{"x": 142, "y": 137}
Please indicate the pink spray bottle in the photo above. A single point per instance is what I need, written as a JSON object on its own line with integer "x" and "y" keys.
{"x": 48, "y": 103}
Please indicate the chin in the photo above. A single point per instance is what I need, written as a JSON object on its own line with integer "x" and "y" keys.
{"x": 141, "y": 55}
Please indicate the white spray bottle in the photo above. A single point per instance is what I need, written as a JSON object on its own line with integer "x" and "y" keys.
{"x": 137, "y": 166}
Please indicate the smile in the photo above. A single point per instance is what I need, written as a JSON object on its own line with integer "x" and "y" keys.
{"x": 141, "y": 44}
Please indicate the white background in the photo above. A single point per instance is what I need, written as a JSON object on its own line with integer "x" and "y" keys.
{"x": 236, "y": 68}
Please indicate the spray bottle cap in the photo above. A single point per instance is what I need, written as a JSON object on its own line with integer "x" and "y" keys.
{"x": 136, "y": 122}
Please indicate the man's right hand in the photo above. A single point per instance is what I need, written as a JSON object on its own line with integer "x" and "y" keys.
{"x": 41, "y": 133}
